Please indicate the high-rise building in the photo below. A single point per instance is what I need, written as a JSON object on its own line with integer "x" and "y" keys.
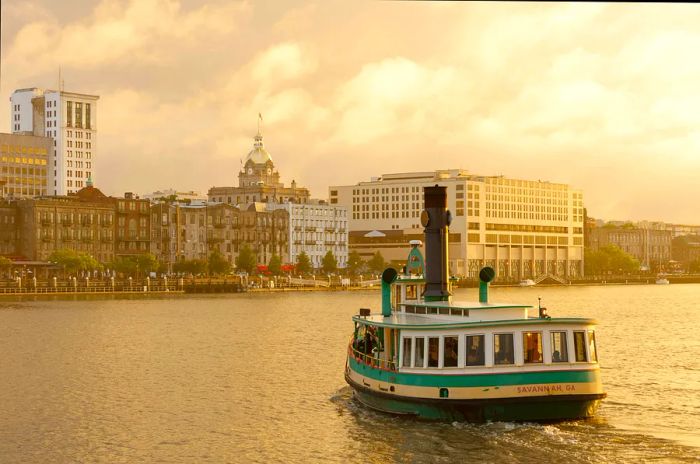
{"x": 521, "y": 228}
{"x": 24, "y": 164}
{"x": 70, "y": 119}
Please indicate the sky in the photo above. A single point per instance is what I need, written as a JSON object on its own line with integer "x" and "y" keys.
{"x": 604, "y": 97}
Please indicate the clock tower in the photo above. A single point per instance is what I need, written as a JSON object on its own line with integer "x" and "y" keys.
{"x": 258, "y": 169}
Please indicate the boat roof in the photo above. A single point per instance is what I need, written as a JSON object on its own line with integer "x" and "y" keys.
{"x": 434, "y": 321}
{"x": 465, "y": 305}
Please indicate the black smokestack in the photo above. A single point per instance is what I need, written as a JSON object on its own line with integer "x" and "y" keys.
{"x": 436, "y": 219}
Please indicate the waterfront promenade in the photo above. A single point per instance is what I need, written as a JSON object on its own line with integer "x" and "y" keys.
{"x": 237, "y": 284}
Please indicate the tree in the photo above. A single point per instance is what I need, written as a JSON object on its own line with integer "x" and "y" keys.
{"x": 608, "y": 259}
{"x": 5, "y": 264}
{"x": 329, "y": 263}
{"x": 303, "y": 263}
{"x": 218, "y": 263}
{"x": 377, "y": 263}
{"x": 693, "y": 267}
{"x": 73, "y": 261}
{"x": 275, "y": 265}
{"x": 146, "y": 263}
{"x": 355, "y": 263}
{"x": 246, "y": 260}
{"x": 181, "y": 267}
{"x": 198, "y": 266}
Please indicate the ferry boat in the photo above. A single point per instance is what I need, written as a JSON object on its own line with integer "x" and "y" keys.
{"x": 428, "y": 356}
{"x": 662, "y": 280}
{"x": 527, "y": 283}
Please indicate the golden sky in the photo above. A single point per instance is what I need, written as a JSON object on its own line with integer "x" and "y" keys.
{"x": 603, "y": 97}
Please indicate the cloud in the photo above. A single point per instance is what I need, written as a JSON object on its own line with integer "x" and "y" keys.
{"x": 140, "y": 30}
{"x": 600, "y": 96}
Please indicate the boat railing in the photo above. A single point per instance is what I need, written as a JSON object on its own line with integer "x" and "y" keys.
{"x": 369, "y": 360}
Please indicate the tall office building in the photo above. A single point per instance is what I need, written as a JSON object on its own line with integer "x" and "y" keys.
{"x": 521, "y": 228}
{"x": 24, "y": 163}
{"x": 70, "y": 119}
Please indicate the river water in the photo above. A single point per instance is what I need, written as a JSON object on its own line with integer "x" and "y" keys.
{"x": 259, "y": 378}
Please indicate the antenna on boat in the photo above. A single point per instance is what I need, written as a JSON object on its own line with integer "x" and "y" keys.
{"x": 542, "y": 310}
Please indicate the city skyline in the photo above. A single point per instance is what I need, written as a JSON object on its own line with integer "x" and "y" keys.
{"x": 562, "y": 93}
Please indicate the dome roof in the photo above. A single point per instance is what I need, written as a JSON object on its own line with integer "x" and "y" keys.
{"x": 258, "y": 154}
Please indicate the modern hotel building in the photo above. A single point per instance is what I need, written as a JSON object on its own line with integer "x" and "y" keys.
{"x": 521, "y": 228}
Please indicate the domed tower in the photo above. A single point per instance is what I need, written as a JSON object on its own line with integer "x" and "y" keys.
{"x": 258, "y": 169}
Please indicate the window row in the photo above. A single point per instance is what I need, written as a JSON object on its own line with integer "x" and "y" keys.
{"x": 445, "y": 351}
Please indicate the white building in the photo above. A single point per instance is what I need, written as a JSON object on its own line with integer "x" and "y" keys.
{"x": 70, "y": 119}
{"x": 316, "y": 228}
{"x": 521, "y": 228}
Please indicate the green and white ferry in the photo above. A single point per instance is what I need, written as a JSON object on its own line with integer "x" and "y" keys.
{"x": 428, "y": 356}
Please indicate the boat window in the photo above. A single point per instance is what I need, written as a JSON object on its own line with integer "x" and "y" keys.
{"x": 433, "y": 351}
{"x": 451, "y": 350}
{"x": 559, "y": 350}
{"x": 591, "y": 346}
{"x": 445, "y": 311}
{"x": 532, "y": 347}
{"x": 475, "y": 350}
{"x": 407, "y": 344}
{"x": 503, "y": 349}
{"x": 580, "y": 346}
{"x": 420, "y": 352}
{"x": 411, "y": 292}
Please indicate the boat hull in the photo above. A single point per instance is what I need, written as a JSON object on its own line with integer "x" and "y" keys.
{"x": 532, "y": 408}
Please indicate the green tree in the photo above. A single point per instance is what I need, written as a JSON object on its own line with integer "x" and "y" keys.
{"x": 246, "y": 260}
{"x": 5, "y": 265}
{"x": 376, "y": 263}
{"x": 355, "y": 263}
{"x": 303, "y": 263}
{"x": 329, "y": 263}
{"x": 181, "y": 267}
{"x": 694, "y": 267}
{"x": 198, "y": 266}
{"x": 146, "y": 263}
{"x": 218, "y": 263}
{"x": 73, "y": 261}
{"x": 609, "y": 259}
{"x": 275, "y": 265}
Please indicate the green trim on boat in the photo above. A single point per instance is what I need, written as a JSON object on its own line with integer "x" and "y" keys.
{"x": 462, "y": 324}
{"x": 475, "y": 380}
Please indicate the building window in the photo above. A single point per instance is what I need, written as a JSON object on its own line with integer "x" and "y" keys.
{"x": 69, "y": 115}
{"x": 87, "y": 116}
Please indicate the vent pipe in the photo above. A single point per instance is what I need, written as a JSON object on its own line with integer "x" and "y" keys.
{"x": 436, "y": 219}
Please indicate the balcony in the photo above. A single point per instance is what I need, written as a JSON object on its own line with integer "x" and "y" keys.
{"x": 47, "y": 239}
{"x": 46, "y": 222}
{"x": 219, "y": 225}
{"x": 67, "y": 222}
